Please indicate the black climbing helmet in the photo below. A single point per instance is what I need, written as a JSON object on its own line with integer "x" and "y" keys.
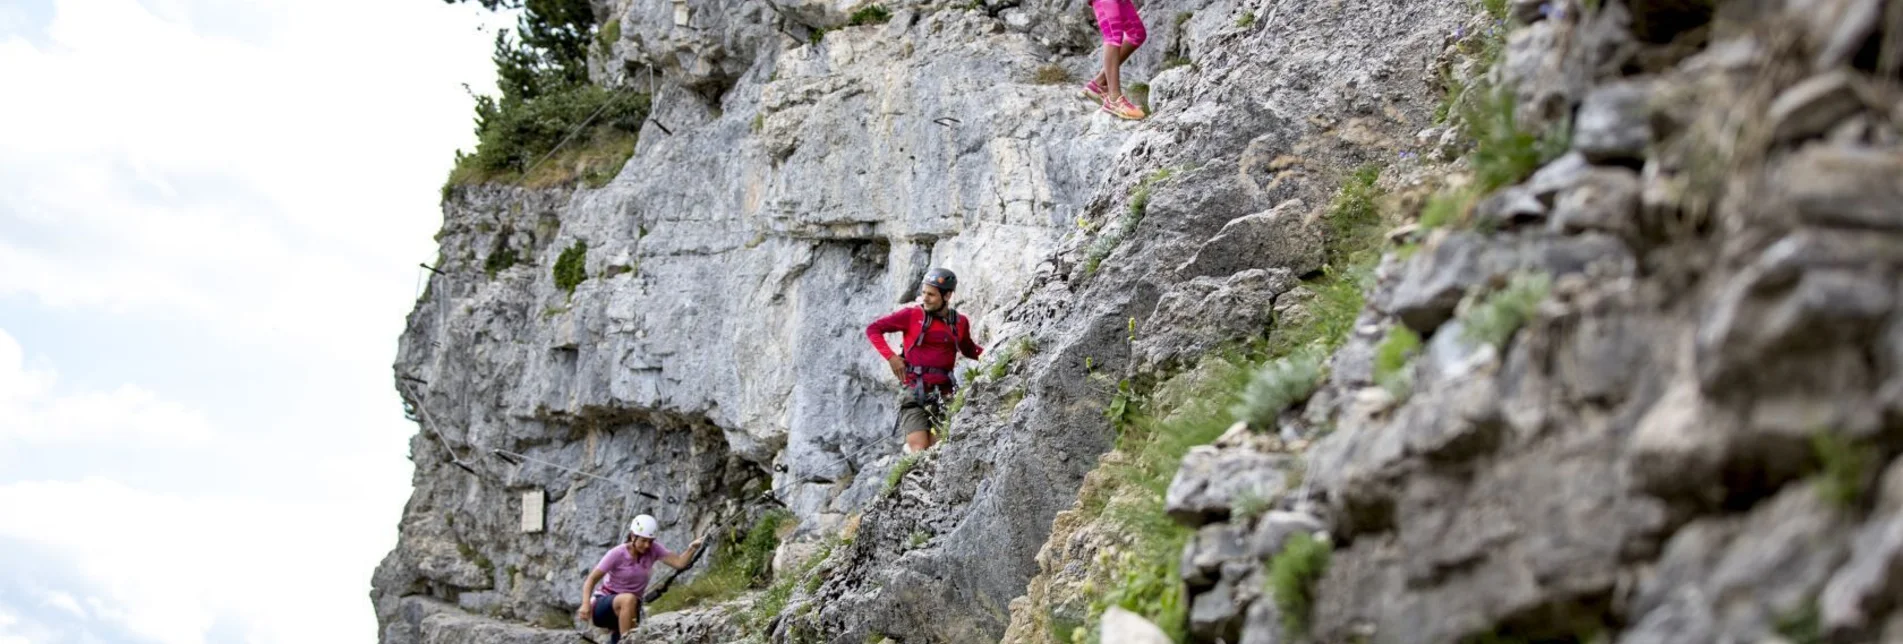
{"x": 943, "y": 279}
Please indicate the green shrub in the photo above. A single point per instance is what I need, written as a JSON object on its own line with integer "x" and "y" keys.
{"x": 546, "y": 99}
{"x": 500, "y": 258}
{"x": 869, "y": 15}
{"x": 1503, "y": 154}
{"x": 571, "y": 266}
{"x": 515, "y": 138}
{"x": 1495, "y": 318}
{"x": 1292, "y": 575}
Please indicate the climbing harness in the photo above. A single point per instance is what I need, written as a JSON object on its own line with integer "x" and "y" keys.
{"x": 927, "y": 396}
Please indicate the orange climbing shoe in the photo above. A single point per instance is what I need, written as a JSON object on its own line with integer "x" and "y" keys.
{"x": 1093, "y": 91}
{"x": 1121, "y": 108}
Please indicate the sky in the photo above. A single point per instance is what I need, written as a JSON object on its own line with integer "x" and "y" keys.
{"x": 211, "y": 215}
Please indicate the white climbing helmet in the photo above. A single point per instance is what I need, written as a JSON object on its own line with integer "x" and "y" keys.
{"x": 644, "y": 526}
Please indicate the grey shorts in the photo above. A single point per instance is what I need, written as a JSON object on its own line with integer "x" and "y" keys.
{"x": 914, "y": 418}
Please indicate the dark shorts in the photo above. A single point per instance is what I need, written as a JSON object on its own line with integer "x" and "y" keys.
{"x": 913, "y": 417}
{"x": 605, "y": 612}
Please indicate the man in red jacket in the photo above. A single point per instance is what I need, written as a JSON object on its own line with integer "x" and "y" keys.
{"x": 934, "y": 336}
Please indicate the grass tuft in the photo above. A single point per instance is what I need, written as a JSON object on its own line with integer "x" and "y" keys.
{"x": 869, "y": 15}
{"x": 1292, "y": 576}
{"x": 1494, "y": 320}
{"x": 1139, "y": 205}
{"x": 1391, "y": 360}
{"x": 1052, "y": 74}
{"x": 899, "y": 469}
{"x": 1845, "y": 463}
{"x": 1276, "y": 386}
{"x": 1453, "y": 207}
{"x": 609, "y": 35}
{"x": 746, "y": 562}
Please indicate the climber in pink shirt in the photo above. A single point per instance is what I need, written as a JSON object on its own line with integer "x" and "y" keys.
{"x": 1122, "y": 33}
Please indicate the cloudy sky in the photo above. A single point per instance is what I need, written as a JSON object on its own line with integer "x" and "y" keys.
{"x": 211, "y": 213}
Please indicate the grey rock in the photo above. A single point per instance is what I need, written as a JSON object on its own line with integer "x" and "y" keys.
{"x": 1527, "y": 11}
{"x": 1214, "y": 615}
{"x": 1853, "y": 131}
{"x": 1212, "y": 546}
{"x": 1868, "y": 584}
{"x": 1604, "y": 200}
{"x": 1200, "y": 315}
{"x": 454, "y": 628}
{"x": 1275, "y": 528}
{"x": 1210, "y": 480}
{"x": 1842, "y": 186}
{"x": 1679, "y": 448}
{"x": 1291, "y": 308}
{"x": 1559, "y": 174}
{"x": 1614, "y": 123}
{"x": 1546, "y": 80}
{"x": 1451, "y": 355}
{"x": 1276, "y": 239}
{"x": 1435, "y": 279}
{"x": 1764, "y": 313}
{"x": 1263, "y": 625}
{"x": 1735, "y": 579}
{"x": 1837, "y": 28}
{"x": 1124, "y": 627}
{"x": 1470, "y": 545}
{"x": 1813, "y": 105}
{"x": 1509, "y": 207}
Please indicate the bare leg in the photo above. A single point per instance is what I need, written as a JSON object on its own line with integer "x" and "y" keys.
{"x": 627, "y": 611}
{"x": 1123, "y": 54}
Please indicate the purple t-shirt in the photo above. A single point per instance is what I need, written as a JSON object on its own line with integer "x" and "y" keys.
{"x": 628, "y": 573}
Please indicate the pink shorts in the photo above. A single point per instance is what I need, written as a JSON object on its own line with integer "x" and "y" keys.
{"x": 1118, "y": 21}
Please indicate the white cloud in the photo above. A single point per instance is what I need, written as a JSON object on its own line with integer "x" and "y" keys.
{"x": 8, "y": 624}
{"x": 272, "y": 185}
{"x": 126, "y": 416}
{"x": 65, "y": 602}
{"x": 265, "y": 171}
{"x": 171, "y": 565}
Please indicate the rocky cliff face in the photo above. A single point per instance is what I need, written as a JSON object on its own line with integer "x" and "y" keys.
{"x": 1637, "y": 368}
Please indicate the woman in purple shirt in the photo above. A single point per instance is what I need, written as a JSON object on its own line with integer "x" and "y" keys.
{"x": 623, "y": 577}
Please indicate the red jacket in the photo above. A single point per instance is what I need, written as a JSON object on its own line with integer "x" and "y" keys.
{"x": 939, "y": 350}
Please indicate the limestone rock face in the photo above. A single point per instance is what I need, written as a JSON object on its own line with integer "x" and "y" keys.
{"x": 1683, "y": 437}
